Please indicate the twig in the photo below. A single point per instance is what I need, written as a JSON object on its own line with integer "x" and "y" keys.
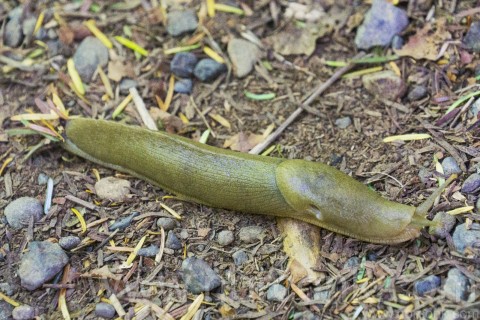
{"x": 202, "y": 117}
{"x": 142, "y": 110}
{"x": 320, "y": 89}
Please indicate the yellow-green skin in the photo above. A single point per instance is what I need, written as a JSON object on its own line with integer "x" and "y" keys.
{"x": 309, "y": 191}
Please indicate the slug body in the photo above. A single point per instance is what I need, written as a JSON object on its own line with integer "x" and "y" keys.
{"x": 309, "y": 191}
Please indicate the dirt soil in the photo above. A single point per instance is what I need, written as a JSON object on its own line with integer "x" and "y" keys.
{"x": 392, "y": 169}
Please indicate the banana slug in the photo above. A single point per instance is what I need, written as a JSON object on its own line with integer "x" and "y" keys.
{"x": 309, "y": 191}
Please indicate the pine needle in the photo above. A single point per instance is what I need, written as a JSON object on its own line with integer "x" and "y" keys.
{"x": 132, "y": 45}
{"x": 193, "y": 308}
{"x": 169, "y": 97}
{"x": 211, "y": 8}
{"x": 461, "y": 210}
{"x": 80, "y": 218}
{"x": 181, "y": 49}
{"x": 106, "y": 82}
{"x": 76, "y": 80}
{"x": 133, "y": 255}
{"x": 122, "y": 106}
{"x": 407, "y": 137}
{"x": 171, "y": 211}
{"x": 212, "y": 54}
{"x": 90, "y": 24}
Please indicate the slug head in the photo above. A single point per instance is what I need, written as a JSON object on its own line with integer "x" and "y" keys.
{"x": 327, "y": 197}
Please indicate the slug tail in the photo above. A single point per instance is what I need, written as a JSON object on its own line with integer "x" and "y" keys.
{"x": 421, "y": 222}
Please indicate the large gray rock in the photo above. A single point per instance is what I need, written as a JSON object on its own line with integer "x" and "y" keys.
{"x": 198, "y": 276}
{"x": 89, "y": 55}
{"x": 41, "y": 263}
{"x": 20, "y": 211}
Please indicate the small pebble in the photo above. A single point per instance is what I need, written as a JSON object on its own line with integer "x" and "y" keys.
{"x": 150, "y": 251}
{"x": 323, "y": 295}
{"x": 126, "y": 84}
{"x": 208, "y": 70}
{"x": 13, "y": 35}
{"x": 225, "y": 237}
{"x": 343, "y": 123}
{"x": 28, "y": 27}
{"x": 417, "y": 93}
{"x": 474, "y": 109}
{"x": 105, "y": 310}
{"x": 181, "y": 22}
{"x": 466, "y": 238}
{"x": 184, "y": 234}
{"x": 372, "y": 256}
{"x": 183, "y": 63}
{"x": 7, "y": 288}
{"x": 112, "y": 188}
{"x": 184, "y": 86}
{"x": 167, "y": 223}
{"x": 69, "y": 242}
{"x": 385, "y": 84}
{"x": 239, "y": 257}
{"x": 383, "y": 16}
{"x": 5, "y": 310}
{"x": 23, "y": 312}
{"x": 450, "y": 166}
{"x": 198, "y": 276}
{"x": 243, "y": 55}
{"x": 251, "y": 234}
{"x": 123, "y": 222}
{"x": 20, "y": 211}
{"x": 424, "y": 174}
{"x": 172, "y": 241}
{"x": 89, "y": 55}
{"x": 276, "y": 293}
{"x": 40, "y": 263}
{"x": 471, "y": 184}
{"x": 352, "y": 262}
{"x": 456, "y": 285}
{"x": 451, "y": 315}
{"x": 447, "y": 222}
{"x": 426, "y": 285}
{"x": 472, "y": 38}
{"x": 397, "y": 42}
{"x": 42, "y": 179}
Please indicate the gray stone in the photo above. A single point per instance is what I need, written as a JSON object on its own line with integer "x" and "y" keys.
{"x": 7, "y": 288}
{"x": 417, "y": 93}
{"x": 181, "y": 22}
{"x": 466, "y": 238}
{"x": 13, "y": 35}
{"x": 225, "y": 237}
{"x": 198, "y": 276}
{"x": 150, "y": 251}
{"x": 184, "y": 86}
{"x": 167, "y": 223}
{"x": 105, "y": 310}
{"x": 239, "y": 257}
{"x": 123, "y": 222}
{"x": 126, "y": 84}
{"x": 474, "y": 109}
{"x": 23, "y": 312}
{"x": 451, "y": 315}
{"x": 382, "y": 16}
{"x": 251, "y": 234}
{"x": 471, "y": 184}
{"x": 276, "y": 293}
{"x": 20, "y": 211}
{"x": 352, "y": 262}
{"x": 184, "y": 234}
{"x": 397, "y": 42}
{"x": 42, "y": 179}
{"x": 305, "y": 315}
{"x": 5, "y": 310}
{"x": 28, "y": 27}
{"x": 322, "y": 295}
{"x": 447, "y": 221}
{"x": 112, "y": 188}
{"x": 69, "y": 242}
{"x": 343, "y": 123}
{"x": 89, "y": 55}
{"x": 426, "y": 285}
{"x": 172, "y": 241}
{"x": 456, "y": 286}
{"x": 472, "y": 38}
{"x": 41, "y": 263}
{"x": 183, "y": 63}
{"x": 208, "y": 70}
{"x": 243, "y": 55}
{"x": 385, "y": 84}
{"x": 450, "y": 166}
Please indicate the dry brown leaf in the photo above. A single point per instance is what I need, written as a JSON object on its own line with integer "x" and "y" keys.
{"x": 117, "y": 69}
{"x": 426, "y": 43}
{"x": 102, "y": 273}
{"x": 65, "y": 34}
{"x": 203, "y": 232}
{"x": 171, "y": 123}
{"x": 243, "y": 142}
